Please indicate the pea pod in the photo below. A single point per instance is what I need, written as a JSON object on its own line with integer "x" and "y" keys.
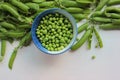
{"x": 113, "y": 2}
{"x": 66, "y": 3}
{"x": 112, "y": 9}
{"x": 116, "y": 21}
{"x": 24, "y": 26}
{"x": 98, "y": 14}
{"x": 90, "y": 39}
{"x": 98, "y": 38}
{"x": 47, "y": 4}
{"x": 12, "y": 11}
{"x": 74, "y": 10}
{"x": 3, "y": 48}
{"x": 83, "y": 27}
{"x": 20, "y": 5}
{"x": 101, "y": 4}
{"x": 14, "y": 53}
{"x": 109, "y": 26}
{"x": 33, "y": 6}
{"x": 79, "y": 16}
{"x": 38, "y": 1}
{"x": 7, "y": 25}
{"x": 81, "y": 40}
{"x": 101, "y": 19}
{"x": 113, "y": 15}
{"x": 12, "y": 34}
{"x": 84, "y": 1}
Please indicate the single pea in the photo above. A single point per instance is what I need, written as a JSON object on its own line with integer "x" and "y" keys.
{"x": 56, "y": 14}
{"x": 61, "y": 33}
{"x": 41, "y": 22}
{"x": 62, "y": 40}
{"x": 68, "y": 41}
{"x": 50, "y": 19}
{"x": 62, "y": 47}
{"x": 65, "y": 45}
{"x": 58, "y": 49}
{"x": 49, "y": 48}
{"x": 54, "y": 32}
{"x": 56, "y": 41}
{"x": 46, "y": 17}
{"x": 64, "y": 35}
{"x": 38, "y": 36}
{"x": 71, "y": 36}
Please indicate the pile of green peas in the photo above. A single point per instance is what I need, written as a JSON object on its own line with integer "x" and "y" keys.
{"x": 55, "y": 31}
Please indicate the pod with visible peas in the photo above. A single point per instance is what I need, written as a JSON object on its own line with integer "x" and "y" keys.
{"x": 3, "y": 48}
{"x": 113, "y": 2}
{"x": 109, "y": 26}
{"x": 82, "y": 40}
{"x": 101, "y": 19}
{"x": 98, "y": 38}
{"x": 90, "y": 38}
{"x": 20, "y": 5}
{"x": 83, "y": 27}
{"x": 7, "y": 25}
{"x": 101, "y": 4}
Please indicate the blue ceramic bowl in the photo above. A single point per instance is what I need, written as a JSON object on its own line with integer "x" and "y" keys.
{"x": 36, "y": 23}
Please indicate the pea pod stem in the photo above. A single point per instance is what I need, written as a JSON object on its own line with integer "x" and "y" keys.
{"x": 81, "y": 40}
{"x": 98, "y": 38}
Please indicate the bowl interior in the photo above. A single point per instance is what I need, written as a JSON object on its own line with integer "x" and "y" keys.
{"x": 36, "y": 23}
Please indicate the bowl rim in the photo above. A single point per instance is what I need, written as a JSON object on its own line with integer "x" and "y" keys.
{"x": 34, "y": 26}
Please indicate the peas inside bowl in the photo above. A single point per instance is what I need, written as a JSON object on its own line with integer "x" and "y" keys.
{"x": 54, "y": 31}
